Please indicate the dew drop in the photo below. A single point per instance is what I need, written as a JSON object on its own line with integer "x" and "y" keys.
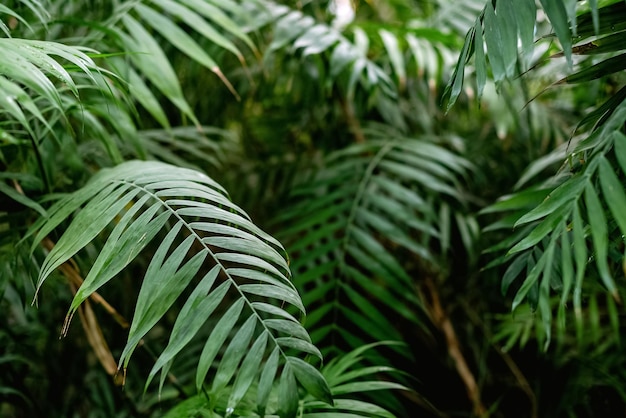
{"x": 229, "y": 411}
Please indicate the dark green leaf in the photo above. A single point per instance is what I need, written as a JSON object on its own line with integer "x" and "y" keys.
{"x": 311, "y": 379}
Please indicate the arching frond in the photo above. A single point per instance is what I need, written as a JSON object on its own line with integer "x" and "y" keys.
{"x": 349, "y": 378}
{"x": 13, "y": 15}
{"x": 367, "y": 205}
{"x": 352, "y": 59}
{"x": 565, "y": 233}
{"x": 141, "y": 27}
{"x": 38, "y": 66}
{"x": 298, "y": 33}
{"x": 236, "y": 273}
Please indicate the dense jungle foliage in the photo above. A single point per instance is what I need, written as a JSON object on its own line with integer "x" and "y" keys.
{"x": 320, "y": 209}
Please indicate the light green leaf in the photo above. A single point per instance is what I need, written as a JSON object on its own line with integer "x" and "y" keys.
{"x": 164, "y": 281}
{"x": 526, "y": 12}
{"x": 215, "y": 341}
{"x": 189, "y": 16}
{"x": 179, "y": 38}
{"x": 276, "y": 292}
{"x": 395, "y": 55}
{"x": 529, "y": 282}
{"x": 146, "y": 98}
{"x": 130, "y": 235}
{"x": 358, "y": 387}
{"x": 218, "y": 16}
{"x": 619, "y": 144}
{"x": 480, "y": 61}
{"x": 150, "y": 59}
{"x": 555, "y": 10}
{"x": 248, "y": 370}
{"x": 233, "y": 355}
{"x": 567, "y": 276}
{"x": 494, "y": 39}
{"x": 199, "y": 306}
{"x": 454, "y": 87}
{"x": 562, "y": 195}
{"x": 89, "y": 222}
{"x": 506, "y": 11}
{"x": 613, "y": 192}
{"x": 265, "y": 382}
{"x": 544, "y": 228}
{"x": 301, "y": 345}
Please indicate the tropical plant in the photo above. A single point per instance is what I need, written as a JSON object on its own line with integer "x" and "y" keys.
{"x": 568, "y": 227}
{"x": 70, "y": 122}
{"x": 146, "y": 147}
{"x": 566, "y": 221}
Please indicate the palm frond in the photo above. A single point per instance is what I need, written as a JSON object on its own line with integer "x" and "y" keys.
{"x": 237, "y": 272}
{"x": 140, "y": 28}
{"x": 567, "y": 226}
{"x": 349, "y": 379}
{"x": 299, "y": 33}
{"x": 30, "y": 64}
{"x": 189, "y": 147}
{"x": 587, "y": 30}
{"x": 12, "y": 15}
{"x": 368, "y": 204}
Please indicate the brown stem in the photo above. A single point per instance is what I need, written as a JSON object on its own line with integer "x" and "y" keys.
{"x": 352, "y": 120}
{"x": 92, "y": 329}
{"x": 96, "y": 338}
{"x": 442, "y": 321}
{"x": 508, "y": 360}
{"x": 71, "y": 272}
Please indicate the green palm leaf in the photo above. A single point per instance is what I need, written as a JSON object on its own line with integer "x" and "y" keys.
{"x": 366, "y": 205}
{"x": 349, "y": 379}
{"x": 36, "y": 65}
{"x": 37, "y": 8}
{"x": 211, "y": 246}
{"x": 571, "y": 227}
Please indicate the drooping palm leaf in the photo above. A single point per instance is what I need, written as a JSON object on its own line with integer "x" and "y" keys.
{"x": 18, "y": 11}
{"x": 207, "y": 243}
{"x": 588, "y": 30}
{"x": 35, "y": 65}
{"x": 566, "y": 233}
{"x": 140, "y": 28}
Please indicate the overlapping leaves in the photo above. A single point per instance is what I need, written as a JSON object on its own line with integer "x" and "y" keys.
{"x": 12, "y": 15}
{"x": 236, "y": 273}
{"x": 348, "y": 379}
{"x": 140, "y": 27}
{"x": 571, "y": 228}
{"x": 33, "y": 66}
{"x": 369, "y": 204}
{"x": 351, "y": 63}
{"x": 505, "y": 24}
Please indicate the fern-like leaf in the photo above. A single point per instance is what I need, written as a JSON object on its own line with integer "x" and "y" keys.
{"x": 349, "y": 379}
{"x": 237, "y": 272}
{"x": 368, "y": 204}
{"x": 567, "y": 224}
